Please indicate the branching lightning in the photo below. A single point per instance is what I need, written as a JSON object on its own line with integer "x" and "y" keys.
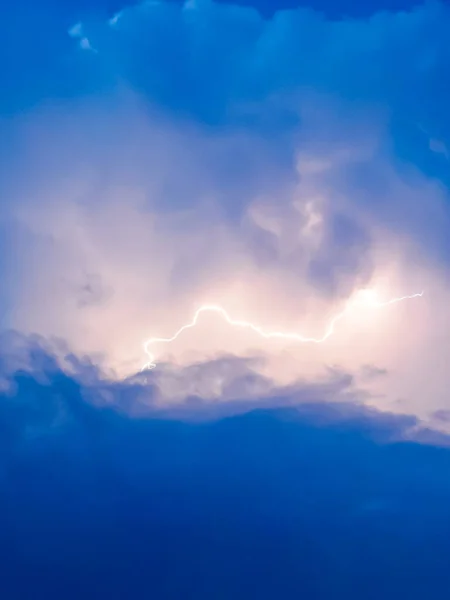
{"x": 364, "y": 297}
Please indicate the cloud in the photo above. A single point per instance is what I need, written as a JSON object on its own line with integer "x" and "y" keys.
{"x": 77, "y": 32}
{"x": 95, "y": 502}
{"x": 439, "y": 147}
{"x": 256, "y": 59}
{"x": 274, "y": 165}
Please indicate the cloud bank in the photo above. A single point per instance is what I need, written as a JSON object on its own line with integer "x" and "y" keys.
{"x": 325, "y": 496}
{"x": 275, "y": 166}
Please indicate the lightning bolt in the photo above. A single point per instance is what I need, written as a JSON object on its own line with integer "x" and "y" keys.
{"x": 292, "y": 336}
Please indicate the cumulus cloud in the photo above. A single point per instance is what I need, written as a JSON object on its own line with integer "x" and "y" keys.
{"x": 264, "y": 164}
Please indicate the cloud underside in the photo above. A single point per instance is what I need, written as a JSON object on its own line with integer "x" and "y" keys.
{"x": 325, "y": 494}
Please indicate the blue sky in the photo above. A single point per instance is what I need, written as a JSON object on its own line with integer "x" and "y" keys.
{"x": 289, "y": 165}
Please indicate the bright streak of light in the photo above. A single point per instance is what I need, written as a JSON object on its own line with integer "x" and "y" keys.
{"x": 366, "y": 298}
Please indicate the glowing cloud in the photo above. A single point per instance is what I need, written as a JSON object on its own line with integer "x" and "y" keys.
{"x": 366, "y": 297}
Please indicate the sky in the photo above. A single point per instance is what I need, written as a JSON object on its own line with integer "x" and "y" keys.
{"x": 288, "y": 165}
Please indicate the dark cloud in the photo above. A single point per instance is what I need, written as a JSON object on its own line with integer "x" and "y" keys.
{"x": 213, "y": 58}
{"x": 373, "y": 372}
{"x": 351, "y": 261}
{"x": 318, "y": 501}
{"x": 442, "y": 415}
